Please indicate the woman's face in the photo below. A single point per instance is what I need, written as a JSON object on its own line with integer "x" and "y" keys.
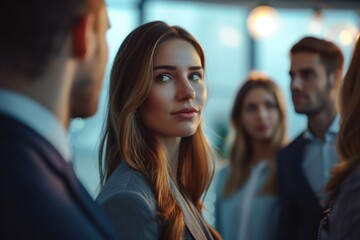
{"x": 260, "y": 114}
{"x": 177, "y": 96}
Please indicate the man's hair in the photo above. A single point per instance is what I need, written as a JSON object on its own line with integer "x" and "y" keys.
{"x": 330, "y": 54}
{"x": 33, "y": 32}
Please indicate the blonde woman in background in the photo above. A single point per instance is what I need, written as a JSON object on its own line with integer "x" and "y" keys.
{"x": 246, "y": 204}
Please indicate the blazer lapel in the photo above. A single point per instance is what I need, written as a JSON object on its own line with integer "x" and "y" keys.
{"x": 191, "y": 223}
{"x": 203, "y": 225}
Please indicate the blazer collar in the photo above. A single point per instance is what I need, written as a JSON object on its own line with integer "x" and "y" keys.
{"x": 36, "y": 117}
{"x": 191, "y": 222}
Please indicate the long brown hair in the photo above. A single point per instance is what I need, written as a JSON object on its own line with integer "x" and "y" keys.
{"x": 348, "y": 142}
{"x": 125, "y": 137}
{"x": 242, "y": 151}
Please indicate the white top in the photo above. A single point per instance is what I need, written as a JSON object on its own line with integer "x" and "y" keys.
{"x": 250, "y": 192}
{"x": 247, "y": 212}
{"x": 36, "y": 117}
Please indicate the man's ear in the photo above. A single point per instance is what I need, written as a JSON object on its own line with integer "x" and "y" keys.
{"x": 81, "y": 36}
{"x": 335, "y": 79}
{"x": 338, "y": 77}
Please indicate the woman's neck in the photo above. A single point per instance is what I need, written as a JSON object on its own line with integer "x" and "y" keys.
{"x": 261, "y": 151}
{"x": 171, "y": 147}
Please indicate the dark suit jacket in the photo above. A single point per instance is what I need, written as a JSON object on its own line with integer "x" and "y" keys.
{"x": 130, "y": 202}
{"x": 301, "y": 211}
{"x": 40, "y": 196}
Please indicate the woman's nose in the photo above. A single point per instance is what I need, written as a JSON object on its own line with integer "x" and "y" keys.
{"x": 185, "y": 90}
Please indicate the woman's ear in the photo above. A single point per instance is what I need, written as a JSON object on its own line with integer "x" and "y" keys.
{"x": 82, "y": 36}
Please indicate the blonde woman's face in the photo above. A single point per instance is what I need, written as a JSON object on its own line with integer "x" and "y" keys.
{"x": 176, "y": 100}
{"x": 260, "y": 114}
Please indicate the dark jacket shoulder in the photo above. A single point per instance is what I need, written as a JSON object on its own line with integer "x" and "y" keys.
{"x": 295, "y": 147}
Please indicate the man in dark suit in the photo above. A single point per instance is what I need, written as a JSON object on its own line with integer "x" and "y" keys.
{"x": 304, "y": 165}
{"x": 52, "y": 62}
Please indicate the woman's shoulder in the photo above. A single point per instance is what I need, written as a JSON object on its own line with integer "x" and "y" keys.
{"x": 344, "y": 218}
{"x": 221, "y": 175}
{"x": 223, "y": 170}
{"x": 356, "y": 174}
{"x": 351, "y": 183}
{"x": 128, "y": 182}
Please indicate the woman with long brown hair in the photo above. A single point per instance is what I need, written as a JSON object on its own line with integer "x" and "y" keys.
{"x": 342, "y": 218}
{"x": 246, "y": 207}
{"x": 155, "y": 162}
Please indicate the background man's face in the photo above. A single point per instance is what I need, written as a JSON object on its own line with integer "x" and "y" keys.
{"x": 310, "y": 83}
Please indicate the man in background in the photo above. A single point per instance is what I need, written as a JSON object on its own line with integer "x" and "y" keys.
{"x": 304, "y": 165}
{"x": 53, "y": 55}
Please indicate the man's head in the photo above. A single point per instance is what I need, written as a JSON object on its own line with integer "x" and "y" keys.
{"x": 316, "y": 71}
{"x": 33, "y": 32}
{"x": 90, "y": 71}
{"x": 42, "y": 39}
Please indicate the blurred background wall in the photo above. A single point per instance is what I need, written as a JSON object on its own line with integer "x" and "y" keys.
{"x": 237, "y": 37}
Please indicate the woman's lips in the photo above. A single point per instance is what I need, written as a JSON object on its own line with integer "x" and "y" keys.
{"x": 185, "y": 113}
{"x": 262, "y": 128}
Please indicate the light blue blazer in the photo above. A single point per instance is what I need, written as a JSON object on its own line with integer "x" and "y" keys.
{"x": 129, "y": 201}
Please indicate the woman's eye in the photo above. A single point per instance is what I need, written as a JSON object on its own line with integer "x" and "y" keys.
{"x": 271, "y": 104}
{"x": 195, "y": 77}
{"x": 163, "y": 78}
{"x": 250, "y": 107}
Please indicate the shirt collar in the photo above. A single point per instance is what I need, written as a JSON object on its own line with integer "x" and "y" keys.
{"x": 332, "y": 130}
{"x": 38, "y": 118}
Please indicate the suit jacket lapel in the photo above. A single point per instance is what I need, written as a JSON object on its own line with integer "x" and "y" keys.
{"x": 80, "y": 196}
{"x": 302, "y": 182}
{"x": 61, "y": 169}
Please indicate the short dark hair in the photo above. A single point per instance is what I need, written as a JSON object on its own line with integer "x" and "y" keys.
{"x": 330, "y": 54}
{"x": 32, "y": 32}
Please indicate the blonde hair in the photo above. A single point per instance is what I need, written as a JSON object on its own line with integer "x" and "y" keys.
{"x": 348, "y": 142}
{"x": 126, "y": 138}
{"x": 241, "y": 151}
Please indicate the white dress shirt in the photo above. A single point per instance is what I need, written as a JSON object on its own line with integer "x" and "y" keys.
{"x": 319, "y": 158}
{"x": 36, "y": 117}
